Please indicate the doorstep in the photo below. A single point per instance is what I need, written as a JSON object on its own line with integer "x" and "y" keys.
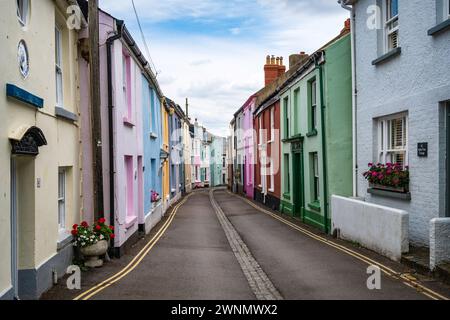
{"x": 418, "y": 258}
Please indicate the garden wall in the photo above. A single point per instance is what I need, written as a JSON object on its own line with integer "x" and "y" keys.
{"x": 381, "y": 229}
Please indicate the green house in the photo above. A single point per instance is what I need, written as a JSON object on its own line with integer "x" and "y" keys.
{"x": 316, "y": 133}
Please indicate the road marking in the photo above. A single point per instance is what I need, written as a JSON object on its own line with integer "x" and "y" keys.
{"x": 136, "y": 260}
{"x": 388, "y": 271}
{"x": 257, "y": 279}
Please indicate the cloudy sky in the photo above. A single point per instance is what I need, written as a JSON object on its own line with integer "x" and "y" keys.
{"x": 213, "y": 51}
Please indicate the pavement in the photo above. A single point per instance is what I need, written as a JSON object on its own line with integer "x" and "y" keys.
{"x": 240, "y": 253}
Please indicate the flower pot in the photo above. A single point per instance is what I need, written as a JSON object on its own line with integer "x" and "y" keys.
{"x": 93, "y": 252}
{"x": 386, "y": 188}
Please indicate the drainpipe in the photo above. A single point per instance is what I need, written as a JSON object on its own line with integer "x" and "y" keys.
{"x": 319, "y": 66}
{"x": 109, "y": 43}
{"x": 354, "y": 96}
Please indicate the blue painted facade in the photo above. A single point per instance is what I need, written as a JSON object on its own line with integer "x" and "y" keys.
{"x": 176, "y": 150}
{"x": 152, "y": 140}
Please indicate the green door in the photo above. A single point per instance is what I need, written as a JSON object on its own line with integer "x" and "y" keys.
{"x": 298, "y": 195}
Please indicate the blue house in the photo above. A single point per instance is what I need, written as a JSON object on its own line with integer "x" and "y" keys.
{"x": 152, "y": 143}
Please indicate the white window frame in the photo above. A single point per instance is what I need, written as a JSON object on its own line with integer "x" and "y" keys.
{"x": 23, "y": 11}
{"x": 385, "y": 148}
{"x": 272, "y": 125}
{"x": 62, "y": 179}
{"x": 59, "y": 80}
{"x": 316, "y": 177}
{"x": 391, "y": 26}
{"x": 272, "y": 178}
{"x": 314, "y": 104}
{"x": 260, "y": 130}
{"x": 446, "y": 9}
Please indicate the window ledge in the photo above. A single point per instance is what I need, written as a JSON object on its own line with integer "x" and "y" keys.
{"x": 385, "y": 57}
{"x": 440, "y": 27}
{"x": 128, "y": 122}
{"x": 64, "y": 239}
{"x": 271, "y": 190}
{"x": 287, "y": 196}
{"x": 153, "y": 135}
{"x": 67, "y": 115}
{"x": 389, "y": 194}
{"x": 130, "y": 221}
{"x": 312, "y": 133}
{"x": 315, "y": 206}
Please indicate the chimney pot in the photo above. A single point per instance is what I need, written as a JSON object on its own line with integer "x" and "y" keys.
{"x": 268, "y": 59}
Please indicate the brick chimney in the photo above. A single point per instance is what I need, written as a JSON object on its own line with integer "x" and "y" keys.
{"x": 347, "y": 27}
{"x": 273, "y": 69}
{"x": 296, "y": 58}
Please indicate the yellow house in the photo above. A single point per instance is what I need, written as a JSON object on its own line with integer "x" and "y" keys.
{"x": 39, "y": 143}
{"x": 165, "y": 150}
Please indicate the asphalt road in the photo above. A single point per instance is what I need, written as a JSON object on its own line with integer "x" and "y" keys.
{"x": 194, "y": 260}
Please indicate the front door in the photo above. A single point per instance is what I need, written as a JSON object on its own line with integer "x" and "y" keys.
{"x": 298, "y": 192}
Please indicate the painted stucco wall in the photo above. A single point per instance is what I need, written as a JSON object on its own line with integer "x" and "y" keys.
{"x": 38, "y": 233}
{"x": 187, "y": 155}
{"x": 395, "y": 86}
{"x": 338, "y": 117}
{"x": 127, "y": 142}
{"x": 249, "y": 148}
{"x": 216, "y": 161}
{"x": 299, "y": 125}
{"x": 273, "y": 149}
{"x": 165, "y": 165}
{"x": 379, "y": 228}
{"x": 151, "y": 117}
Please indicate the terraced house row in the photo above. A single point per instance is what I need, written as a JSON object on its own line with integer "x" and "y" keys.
{"x": 353, "y": 139}
{"x": 66, "y": 158}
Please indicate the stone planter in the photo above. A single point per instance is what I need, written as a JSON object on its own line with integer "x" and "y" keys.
{"x": 386, "y": 188}
{"x": 93, "y": 252}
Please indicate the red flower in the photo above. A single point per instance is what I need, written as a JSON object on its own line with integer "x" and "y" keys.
{"x": 74, "y": 232}
{"x": 111, "y": 227}
{"x": 75, "y": 226}
{"x": 84, "y": 224}
{"x": 101, "y": 220}
{"x": 97, "y": 227}
{"x": 112, "y": 235}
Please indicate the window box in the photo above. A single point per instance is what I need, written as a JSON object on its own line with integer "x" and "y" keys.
{"x": 388, "y": 188}
{"x": 389, "y": 194}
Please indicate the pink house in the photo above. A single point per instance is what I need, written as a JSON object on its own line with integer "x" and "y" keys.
{"x": 245, "y": 148}
{"x": 121, "y": 69}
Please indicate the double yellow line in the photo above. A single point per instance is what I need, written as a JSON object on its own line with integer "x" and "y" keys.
{"x": 406, "y": 278}
{"x": 136, "y": 260}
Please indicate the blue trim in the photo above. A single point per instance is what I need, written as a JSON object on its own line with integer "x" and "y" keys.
{"x": 24, "y": 96}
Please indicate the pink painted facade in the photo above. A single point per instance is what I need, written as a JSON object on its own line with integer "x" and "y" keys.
{"x": 249, "y": 147}
{"x": 127, "y": 133}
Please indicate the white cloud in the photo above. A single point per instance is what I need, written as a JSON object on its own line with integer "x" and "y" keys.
{"x": 218, "y": 74}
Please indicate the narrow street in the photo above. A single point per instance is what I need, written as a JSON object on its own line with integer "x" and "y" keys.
{"x": 193, "y": 259}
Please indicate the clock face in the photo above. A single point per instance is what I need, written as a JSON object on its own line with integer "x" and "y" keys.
{"x": 22, "y": 55}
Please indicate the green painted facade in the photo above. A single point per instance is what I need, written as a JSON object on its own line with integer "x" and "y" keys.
{"x": 316, "y": 159}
